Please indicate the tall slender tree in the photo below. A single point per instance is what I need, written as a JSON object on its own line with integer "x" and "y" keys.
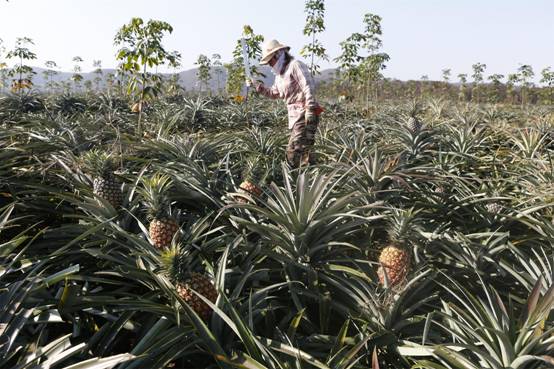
{"x": 547, "y": 79}
{"x": 513, "y": 80}
{"x": 526, "y": 74}
{"x": 424, "y": 84}
{"x": 99, "y": 74}
{"x": 217, "y": 69}
{"x": 496, "y": 90}
{"x": 315, "y": 24}
{"x": 204, "y": 71}
{"x": 141, "y": 48}
{"x": 235, "y": 69}
{"x": 463, "y": 87}
{"x": 49, "y": 74}
{"x": 478, "y": 70}
{"x": 174, "y": 62}
{"x": 77, "y": 77}
{"x": 359, "y": 68}
{"x": 446, "y": 73}
{"x": 24, "y": 73}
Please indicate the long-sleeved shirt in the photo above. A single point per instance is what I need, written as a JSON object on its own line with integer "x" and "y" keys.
{"x": 296, "y": 86}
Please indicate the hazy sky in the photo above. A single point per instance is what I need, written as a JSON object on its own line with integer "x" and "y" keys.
{"x": 421, "y": 36}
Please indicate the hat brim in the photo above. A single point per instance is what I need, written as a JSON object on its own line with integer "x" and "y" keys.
{"x": 268, "y": 57}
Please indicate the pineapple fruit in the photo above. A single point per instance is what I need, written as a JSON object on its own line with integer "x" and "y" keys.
{"x": 413, "y": 123}
{"x": 181, "y": 265}
{"x": 395, "y": 263}
{"x": 493, "y": 207}
{"x": 105, "y": 184}
{"x": 162, "y": 230}
{"x": 254, "y": 174}
{"x": 163, "y": 226}
{"x": 249, "y": 187}
{"x": 202, "y": 285}
{"x": 395, "y": 259}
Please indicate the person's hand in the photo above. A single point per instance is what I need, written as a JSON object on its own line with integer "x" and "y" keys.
{"x": 249, "y": 82}
{"x": 310, "y": 117}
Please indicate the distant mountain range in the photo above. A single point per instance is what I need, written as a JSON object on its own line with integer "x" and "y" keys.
{"x": 187, "y": 79}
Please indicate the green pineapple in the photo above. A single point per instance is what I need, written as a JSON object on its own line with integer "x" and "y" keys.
{"x": 105, "y": 184}
{"x": 413, "y": 123}
{"x": 162, "y": 225}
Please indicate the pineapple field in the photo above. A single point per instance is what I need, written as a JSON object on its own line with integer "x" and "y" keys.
{"x": 144, "y": 225}
{"x": 407, "y": 245}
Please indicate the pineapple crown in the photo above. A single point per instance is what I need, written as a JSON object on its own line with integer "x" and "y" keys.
{"x": 180, "y": 262}
{"x": 404, "y": 226}
{"x": 155, "y": 195}
{"x": 414, "y": 108}
{"x": 494, "y": 188}
{"x": 100, "y": 163}
{"x": 256, "y": 169}
{"x": 173, "y": 263}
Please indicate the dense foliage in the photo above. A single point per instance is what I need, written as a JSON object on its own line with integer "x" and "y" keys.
{"x": 467, "y": 190}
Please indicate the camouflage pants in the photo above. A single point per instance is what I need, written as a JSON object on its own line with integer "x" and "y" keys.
{"x": 302, "y": 138}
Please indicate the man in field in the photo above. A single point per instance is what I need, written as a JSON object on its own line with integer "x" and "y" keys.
{"x": 295, "y": 85}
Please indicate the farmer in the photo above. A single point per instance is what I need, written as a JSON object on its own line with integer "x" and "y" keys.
{"x": 294, "y": 84}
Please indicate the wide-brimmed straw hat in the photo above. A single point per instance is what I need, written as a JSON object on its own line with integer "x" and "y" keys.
{"x": 270, "y": 48}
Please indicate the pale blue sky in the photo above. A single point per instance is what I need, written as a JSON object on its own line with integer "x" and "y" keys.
{"x": 421, "y": 36}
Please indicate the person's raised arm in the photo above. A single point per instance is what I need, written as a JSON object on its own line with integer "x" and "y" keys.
{"x": 270, "y": 92}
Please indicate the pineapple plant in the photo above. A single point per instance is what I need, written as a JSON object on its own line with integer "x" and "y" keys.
{"x": 105, "y": 184}
{"x": 254, "y": 175}
{"x": 162, "y": 227}
{"x": 183, "y": 270}
{"x": 413, "y": 123}
{"x": 202, "y": 285}
{"x": 495, "y": 194}
{"x": 395, "y": 259}
{"x": 494, "y": 207}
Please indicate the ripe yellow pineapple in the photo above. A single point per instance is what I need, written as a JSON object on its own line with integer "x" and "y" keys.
{"x": 182, "y": 266}
{"x": 202, "y": 285}
{"x": 162, "y": 230}
{"x": 105, "y": 184}
{"x": 395, "y": 263}
{"x": 250, "y": 188}
{"x": 395, "y": 259}
{"x": 163, "y": 226}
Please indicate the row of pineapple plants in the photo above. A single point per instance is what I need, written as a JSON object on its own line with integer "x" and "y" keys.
{"x": 422, "y": 238}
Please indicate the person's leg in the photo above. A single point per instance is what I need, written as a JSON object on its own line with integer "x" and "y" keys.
{"x": 308, "y": 156}
{"x": 295, "y": 147}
